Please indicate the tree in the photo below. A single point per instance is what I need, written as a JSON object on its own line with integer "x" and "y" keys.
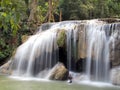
{"x": 12, "y": 12}
{"x": 33, "y": 10}
{"x": 50, "y": 11}
{"x": 88, "y": 9}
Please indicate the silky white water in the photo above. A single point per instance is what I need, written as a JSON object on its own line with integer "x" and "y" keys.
{"x": 97, "y": 53}
{"x": 37, "y": 56}
{"x": 100, "y": 37}
{"x": 39, "y": 53}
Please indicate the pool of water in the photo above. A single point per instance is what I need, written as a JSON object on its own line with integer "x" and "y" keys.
{"x": 8, "y": 83}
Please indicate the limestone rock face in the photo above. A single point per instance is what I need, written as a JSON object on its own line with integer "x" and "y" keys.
{"x": 81, "y": 41}
{"x": 110, "y": 20}
{"x": 115, "y": 76}
{"x": 5, "y": 69}
{"x": 115, "y": 51}
{"x": 59, "y": 72}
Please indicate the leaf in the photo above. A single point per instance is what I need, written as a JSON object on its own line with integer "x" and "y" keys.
{"x": 3, "y": 14}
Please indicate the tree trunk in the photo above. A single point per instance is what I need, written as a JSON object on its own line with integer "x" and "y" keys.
{"x": 33, "y": 7}
{"x": 60, "y": 18}
{"x": 50, "y": 11}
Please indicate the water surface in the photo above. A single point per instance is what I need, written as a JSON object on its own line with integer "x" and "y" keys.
{"x": 7, "y": 83}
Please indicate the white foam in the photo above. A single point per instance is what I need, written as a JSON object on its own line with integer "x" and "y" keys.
{"x": 97, "y": 84}
{"x": 28, "y": 78}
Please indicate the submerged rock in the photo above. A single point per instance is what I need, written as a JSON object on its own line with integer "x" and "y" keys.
{"x": 59, "y": 72}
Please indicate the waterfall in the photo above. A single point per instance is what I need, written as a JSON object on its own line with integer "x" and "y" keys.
{"x": 97, "y": 53}
{"x": 71, "y": 47}
{"x": 99, "y": 38}
{"x": 39, "y": 52}
{"x": 89, "y": 40}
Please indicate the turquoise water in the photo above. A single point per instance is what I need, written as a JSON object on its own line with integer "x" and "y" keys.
{"x": 7, "y": 83}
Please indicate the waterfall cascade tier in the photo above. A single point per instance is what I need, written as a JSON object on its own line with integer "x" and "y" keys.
{"x": 39, "y": 52}
{"x": 89, "y": 40}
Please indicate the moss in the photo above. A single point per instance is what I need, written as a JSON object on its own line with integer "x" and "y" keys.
{"x": 61, "y": 38}
{"x": 24, "y": 38}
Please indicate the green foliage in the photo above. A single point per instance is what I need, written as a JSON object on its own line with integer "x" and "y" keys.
{"x": 4, "y": 49}
{"x": 42, "y": 9}
{"x": 88, "y": 9}
{"x": 10, "y": 15}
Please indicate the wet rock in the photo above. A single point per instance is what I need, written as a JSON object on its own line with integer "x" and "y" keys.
{"x": 110, "y": 20}
{"x": 59, "y": 72}
{"x": 25, "y": 38}
{"x": 115, "y": 76}
{"x": 80, "y": 65}
{"x": 61, "y": 42}
{"x": 82, "y": 41}
{"x": 115, "y": 51}
{"x": 61, "y": 38}
{"x": 115, "y": 58}
{"x": 5, "y": 69}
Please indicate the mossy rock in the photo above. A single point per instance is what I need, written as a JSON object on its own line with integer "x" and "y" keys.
{"x": 25, "y": 38}
{"x": 110, "y": 20}
{"x": 61, "y": 38}
{"x": 59, "y": 72}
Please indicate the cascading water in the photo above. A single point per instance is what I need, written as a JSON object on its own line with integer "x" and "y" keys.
{"x": 71, "y": 47}
{"x": 39, "y": 52}
{"x": 69, "y": 34}
{"x": 97, "y": 53}
{"x": 84, "y": 39}
{"x": 100, "y": 36}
